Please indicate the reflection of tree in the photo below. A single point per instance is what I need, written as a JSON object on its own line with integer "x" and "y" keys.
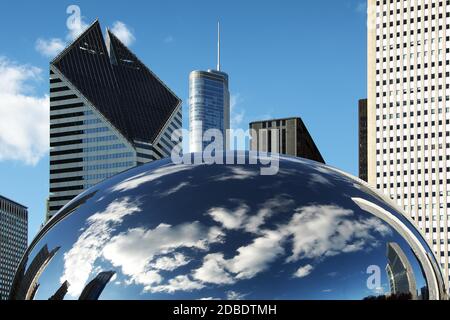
{"x": 399, "y": 296}
{"x": 94, "y": 289}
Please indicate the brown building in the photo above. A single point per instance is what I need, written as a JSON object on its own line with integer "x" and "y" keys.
{"x": 362, "y": 120}
{"x": 288, "y": 136}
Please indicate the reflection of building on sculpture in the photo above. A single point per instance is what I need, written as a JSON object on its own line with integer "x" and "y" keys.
{"x": 308, "y": 232}
{"x": 216, "y": 152}
{"x": 94, "y": 289}
{"x": 26, "y": 288}
{"x": 61, "y": 292}
{"x": 399, "y": 272}
{"x": 91, "y": 291}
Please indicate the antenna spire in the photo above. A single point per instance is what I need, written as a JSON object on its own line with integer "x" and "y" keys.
{"x": 218, "y": 46}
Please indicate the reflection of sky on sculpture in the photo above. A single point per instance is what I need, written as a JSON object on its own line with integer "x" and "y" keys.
{"x": 199, "y": 198}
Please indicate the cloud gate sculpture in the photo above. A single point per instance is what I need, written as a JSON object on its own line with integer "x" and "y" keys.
{"x": 166, "y": 231}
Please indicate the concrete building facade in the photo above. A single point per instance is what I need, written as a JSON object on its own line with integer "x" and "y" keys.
{"x": 13, "y": 241}
{"x": 288, "y": 136}
{"x": 408, "y": 112}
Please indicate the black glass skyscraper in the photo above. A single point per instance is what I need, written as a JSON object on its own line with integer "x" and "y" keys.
{"x": 108, "y": 113}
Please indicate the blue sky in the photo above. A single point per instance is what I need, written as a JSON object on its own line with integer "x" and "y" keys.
{"x": 285, "y": 58}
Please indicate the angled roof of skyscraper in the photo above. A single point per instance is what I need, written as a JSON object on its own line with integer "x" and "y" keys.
{"x": 118, "y": 84}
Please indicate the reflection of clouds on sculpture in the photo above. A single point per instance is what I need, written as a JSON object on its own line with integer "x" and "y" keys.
{"x": 149, "y": 176}
{"x": 339, "y": 232}
{"x": 316, "y": 178}
{"x": 252, "y": 236}
{"x": 240, "y": 218}
{"x": 236, "y": 173}
{"x": 279, "y": 204}
{"x": 79, "y": 260}
{"x": 170, "y": 263}
{"x": 213, "y": 270}
{"x": 144, "y": 254}
{"x": 179, "y": 283}
{"x": 174, "y": 189}
{"x": 234, "y": 295}
{"x": 249, "y": 261}
{"x": 303, "y": 271}
{"x": 229, "y": 219}
{"x": 133, "y": 251}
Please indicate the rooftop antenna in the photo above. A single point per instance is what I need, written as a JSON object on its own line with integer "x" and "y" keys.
{"x": 218, "y": 46}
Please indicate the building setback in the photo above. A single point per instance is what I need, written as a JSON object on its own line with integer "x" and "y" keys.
{"x": 408, "y": 115}
{"x": 293, "y": 138}
{"x": 362, "y": 138}
{"x": 13, "y": 241}
{"x": 108, "y": 113}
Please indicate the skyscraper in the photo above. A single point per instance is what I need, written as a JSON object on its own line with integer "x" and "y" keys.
{"x": 108, "y": 113}
{"x": 287, "y": 136}
{"x": 209, "y": 104}
{"x": 13, "y": 241}
{"x": 408, "y": 115}
{"x": 95, "y": 287}
{"x": 362, "y": 138}
{"x": 399, "y": 271}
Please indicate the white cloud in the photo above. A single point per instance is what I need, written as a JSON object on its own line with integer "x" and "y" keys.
{"x": 175, "y": 189}
{"x": 123, "y": 32}
{"x": 79, "y": 260}
{"x": 316, "y": 179}
{"x": 135, "y": 250}
{"x": 278, "y": 204}
{"x": 255, "y": 258}
{"x": 183, "y": 283}
{"x": 237, "y": 173}
{"x": 234, "y": 295}
{"x": 229, "y": 219}
{"x": 338, "y": 232}
{"x": 148, "y": 176}
{"x": 239, "y": 218}
{"x": 76, "y": 25}
{"x": 303, "y": 271}
{"x": 51, "y": 47}
{"x": 170, "y": 263}
{"x": 250, "y": 260}
{"x": 213, "y": 270}
{"x": 24, "y": 117}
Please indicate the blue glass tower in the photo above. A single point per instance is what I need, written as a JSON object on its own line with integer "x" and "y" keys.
{"x": 209, "y": 104}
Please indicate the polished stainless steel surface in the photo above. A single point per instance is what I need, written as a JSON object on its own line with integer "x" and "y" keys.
{"x": 165, "y": 231}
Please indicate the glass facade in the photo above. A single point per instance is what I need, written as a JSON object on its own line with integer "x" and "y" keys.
{"x": 209, "y": 101}
{"x": 102, "y": 100}
{"x": 13, "y": 241}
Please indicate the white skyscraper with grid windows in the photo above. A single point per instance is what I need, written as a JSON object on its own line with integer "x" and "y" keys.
{"x": 408, "y": 118}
